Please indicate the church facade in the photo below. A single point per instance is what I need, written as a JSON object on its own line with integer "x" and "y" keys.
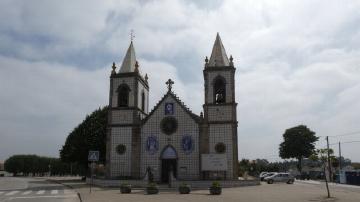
{"x": 171, "y": 138}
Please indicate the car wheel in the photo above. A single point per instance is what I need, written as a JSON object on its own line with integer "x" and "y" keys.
{"x": 270, "y": 181}
{"x": 290, "y": 181}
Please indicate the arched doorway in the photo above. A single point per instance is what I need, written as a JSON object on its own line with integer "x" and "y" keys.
{"x": 168, "y": 163}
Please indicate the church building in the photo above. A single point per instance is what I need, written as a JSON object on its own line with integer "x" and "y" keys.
{"x": 170, "y": 138}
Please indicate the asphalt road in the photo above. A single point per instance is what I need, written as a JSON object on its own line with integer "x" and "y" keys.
{"x": 34, "y": 190}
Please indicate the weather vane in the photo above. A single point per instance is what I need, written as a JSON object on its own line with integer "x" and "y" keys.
{"x": 132, "y": 35}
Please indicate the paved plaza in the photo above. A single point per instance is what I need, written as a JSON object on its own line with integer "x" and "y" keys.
{"x": 300, "y": 191}
{"x": 42, "y": 190}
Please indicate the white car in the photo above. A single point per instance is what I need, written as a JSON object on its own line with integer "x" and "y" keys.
{"x": 263, "y": 175}
{"x": 280, "y": 177}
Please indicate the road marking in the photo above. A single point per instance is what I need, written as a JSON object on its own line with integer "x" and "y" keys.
{"x": 11, "y": 193}
{"x": 54, "y": 196}
{"x": 26, "y": 192}
{"x": 67, "y": 191}
{"x": 40, "y": 192}
{"x": 54, "y": 191}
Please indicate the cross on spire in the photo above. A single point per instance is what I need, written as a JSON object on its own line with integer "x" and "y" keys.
{"x": 169, "y": 83}
{"x": 132, "y": 35}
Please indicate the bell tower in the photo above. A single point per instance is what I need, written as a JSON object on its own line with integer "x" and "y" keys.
{"x": 220, "y": 109}
{"x": 128, "y": 104}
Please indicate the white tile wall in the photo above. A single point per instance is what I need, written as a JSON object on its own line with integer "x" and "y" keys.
{"x": 122, "y": 116}
{"x": 120, "y": 164}
{"x": 222, "y": 133}
{"x": 222, "y": 113}
{"x": 186, "y": 126}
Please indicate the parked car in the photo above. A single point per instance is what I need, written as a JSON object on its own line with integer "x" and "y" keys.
{"x": 280, "y": 177}
{"x": 263, "y": 175}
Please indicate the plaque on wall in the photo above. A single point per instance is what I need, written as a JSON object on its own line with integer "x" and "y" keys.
{"x": 152, "y": 144}
{"x": 213, "y": 162}
{"x": 169, "y": 108}
{"x": 187, "y": 144}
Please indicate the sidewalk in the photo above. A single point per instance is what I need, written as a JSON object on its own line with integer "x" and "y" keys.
{"x": 281, "y": 192}
{"x": 330, "y": 183}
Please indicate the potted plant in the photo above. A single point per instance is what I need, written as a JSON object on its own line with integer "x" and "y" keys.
{"x": 125, "y": 188}
{"x": 152, "y": 188}
{"x": 184, "y": 188}
{"x": 215, "y": 188}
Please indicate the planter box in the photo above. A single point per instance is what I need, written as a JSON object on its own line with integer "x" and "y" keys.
{"x": 152, "y": 190}
{"x": 125, "y": 189}
{"x": 215, "y": 190}
{"x": 184, "y": 189}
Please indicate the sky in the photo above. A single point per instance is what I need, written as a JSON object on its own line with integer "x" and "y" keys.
{"x": 297, "y": 62}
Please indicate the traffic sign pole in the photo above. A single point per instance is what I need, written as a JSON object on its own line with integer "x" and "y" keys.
{"x": 92, "y": 157}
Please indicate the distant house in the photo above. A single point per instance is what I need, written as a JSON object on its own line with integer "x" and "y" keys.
{"x": 2, "y": 169}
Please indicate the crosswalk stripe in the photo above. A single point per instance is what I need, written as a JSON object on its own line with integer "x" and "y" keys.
{"x": 54, "y": 191}
{"x": 40, "y": 192}
{"x": 26, "y": 192}
{"x": 1, "y": 192}
{"x": 67, "y": 191}
{"x": 11, "y": 193}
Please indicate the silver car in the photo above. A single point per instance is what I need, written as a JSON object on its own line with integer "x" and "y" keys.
{"x": 263, "y": 175}
{"x": 280, "y": 177}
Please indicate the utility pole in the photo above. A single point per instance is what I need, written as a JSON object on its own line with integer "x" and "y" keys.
{"x": 341, "y": 177}
{"x": 340, "y": 166}
{"x": 328, "y": 158}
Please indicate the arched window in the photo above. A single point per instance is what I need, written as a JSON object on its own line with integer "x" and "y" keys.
{"x": 219, "y": 90}
{"x": 123, "y": 95}
{"x": 143, "y": 101}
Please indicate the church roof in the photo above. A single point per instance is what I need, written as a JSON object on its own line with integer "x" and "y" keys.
{"x": 128, "y": 64}
{"x": 170, "y": 93}
{"x": 218, "y": 55}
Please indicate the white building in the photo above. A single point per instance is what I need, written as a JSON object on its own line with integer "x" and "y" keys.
{"x": 171, "y": 137}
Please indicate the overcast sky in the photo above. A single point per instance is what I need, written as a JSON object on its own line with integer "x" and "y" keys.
{"x": 297, "y": 62}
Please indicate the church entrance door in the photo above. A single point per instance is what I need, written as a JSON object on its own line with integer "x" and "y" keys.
{"x": 168, "y": 163}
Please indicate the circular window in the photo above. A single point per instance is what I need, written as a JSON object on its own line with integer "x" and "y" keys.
{"x": 168, "y": 125}
{"x": 220, "y": 148}
{"x": 120, "y": 149}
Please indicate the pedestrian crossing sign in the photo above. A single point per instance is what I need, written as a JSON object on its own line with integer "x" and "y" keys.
{"x": 93, "y": 156}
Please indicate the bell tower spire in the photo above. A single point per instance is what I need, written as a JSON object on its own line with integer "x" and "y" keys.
{"x": 218, "y": 55}
{"x": 128, "y": 64}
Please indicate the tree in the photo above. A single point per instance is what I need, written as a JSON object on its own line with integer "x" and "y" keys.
{"x": 356, "y": 166}
{"x": 27, "y": 164}
{"x": 88, "y": 135}
{"x": 322, "y": 156}
{"x": 299, "y": 143}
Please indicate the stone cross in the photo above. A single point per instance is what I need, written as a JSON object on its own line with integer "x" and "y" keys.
{"x": 169, "y": 83}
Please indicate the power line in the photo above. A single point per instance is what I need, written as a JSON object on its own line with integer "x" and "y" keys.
{"x": 346, "y": 134}
{"x": 343, "y": 134}
{"x": 346, "y": 142}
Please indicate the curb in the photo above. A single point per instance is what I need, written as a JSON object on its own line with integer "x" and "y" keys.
{"x": 66, "y": 185}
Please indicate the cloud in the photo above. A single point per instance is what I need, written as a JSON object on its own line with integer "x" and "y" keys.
{"x": 297, "y": 63}
{"x": 42, "y": 102}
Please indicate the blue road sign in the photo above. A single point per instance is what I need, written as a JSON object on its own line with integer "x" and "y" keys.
{"x": 93, "y": 156}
